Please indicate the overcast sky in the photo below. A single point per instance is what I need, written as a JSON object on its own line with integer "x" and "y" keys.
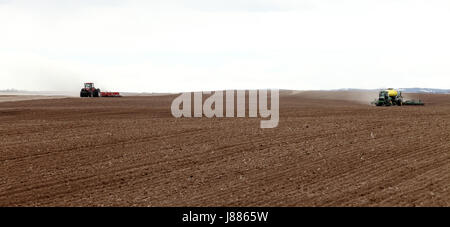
{"x": 190, "y": 45}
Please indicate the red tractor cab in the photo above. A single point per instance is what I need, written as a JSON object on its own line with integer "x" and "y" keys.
{"x": 89, "y": 90}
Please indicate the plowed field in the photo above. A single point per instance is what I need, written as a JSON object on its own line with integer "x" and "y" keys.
{"x": 330, "y": 149}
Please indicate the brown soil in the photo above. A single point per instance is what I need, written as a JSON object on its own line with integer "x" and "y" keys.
{"x": 14, "y": 98}
{"x": 130, "y": 151}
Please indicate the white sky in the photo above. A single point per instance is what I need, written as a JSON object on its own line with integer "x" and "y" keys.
{"x": 176, "y": 45}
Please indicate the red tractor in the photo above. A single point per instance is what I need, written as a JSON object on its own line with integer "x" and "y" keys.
{"x": 89, "y": 91}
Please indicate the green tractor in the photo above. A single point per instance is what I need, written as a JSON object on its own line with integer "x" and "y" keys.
{"x": 389, "y": 97}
